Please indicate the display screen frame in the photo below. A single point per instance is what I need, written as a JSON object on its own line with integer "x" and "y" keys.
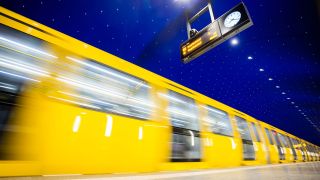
{"x": 201, "y": 43}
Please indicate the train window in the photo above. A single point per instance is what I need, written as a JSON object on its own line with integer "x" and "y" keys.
{"x": 185, "y": 146}
{"x": 294, "y": 141}
{"x": 247, "y": 144}
{"x": 219, "y": 121}
{"x": 23, "y": 59}
{"x": 276, "y": 137}
{"x": 269, "y": 136}
{"x": 255, "y": 130}
{"x": 183, "y": 112}
{"x": 243, "y": 128}
{"x": 103, "y": 88}
{"x": 283, "y": 140}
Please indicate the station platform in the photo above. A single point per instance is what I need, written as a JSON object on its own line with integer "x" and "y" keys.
{"x": 298, "y": 171}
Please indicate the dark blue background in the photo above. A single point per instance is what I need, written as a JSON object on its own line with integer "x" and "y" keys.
{"x": 284, "y": 42}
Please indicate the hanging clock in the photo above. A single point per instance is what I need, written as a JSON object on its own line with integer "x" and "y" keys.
{"x": 232, "y": 19}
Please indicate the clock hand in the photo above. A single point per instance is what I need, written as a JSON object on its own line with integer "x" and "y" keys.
{"x": 233, "y": 20}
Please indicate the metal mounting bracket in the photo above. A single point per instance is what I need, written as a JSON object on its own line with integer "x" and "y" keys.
{"x": 208, "y": 7}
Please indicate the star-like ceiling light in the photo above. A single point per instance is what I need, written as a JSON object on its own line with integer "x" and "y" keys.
{"x": 234, "y": 41}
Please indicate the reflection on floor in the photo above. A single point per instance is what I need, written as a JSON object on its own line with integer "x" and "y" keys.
{"x": 297, "y": 171}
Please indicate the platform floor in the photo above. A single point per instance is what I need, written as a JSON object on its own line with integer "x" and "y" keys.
{"x": 296, "y": 171}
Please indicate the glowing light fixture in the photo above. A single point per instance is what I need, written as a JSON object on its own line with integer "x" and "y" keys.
{"x": 192, "y": 138}
{"x": 18, "y": 76}
{"x": 140, "y": 133}
{"x": 108, "y": 126}
{"x": 214, "y": 110}
{"x": 171, "y": 98}
{"x": 11, "y": 64}
{"x": 7, "y": 87}
{"x": 233, "y": 144}
{"x": 76, "y": 124}
{"x": 234, "y": 41}
{"x": 12, "y": 44}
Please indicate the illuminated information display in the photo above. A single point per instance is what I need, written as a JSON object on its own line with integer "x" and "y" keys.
{"x": 231, "y": 23}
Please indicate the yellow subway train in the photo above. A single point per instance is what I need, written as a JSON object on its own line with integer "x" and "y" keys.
{"x": 70, "y": 108}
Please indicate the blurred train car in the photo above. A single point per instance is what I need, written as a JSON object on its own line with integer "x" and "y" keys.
{"x": 70, "y": 108}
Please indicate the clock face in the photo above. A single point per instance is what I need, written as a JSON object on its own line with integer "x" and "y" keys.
{"x": 232, "y": 19}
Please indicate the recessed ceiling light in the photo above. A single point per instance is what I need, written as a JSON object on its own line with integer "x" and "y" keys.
{"x": 270, "y": 79}
{"x": 234, "y": 41}
{"x": 277, "y": 87}
{"x": 261, "y": 70}
{"x": 283, "y": 93}
{"x": 288, "y": 98}
{"x": 250, "y": 57}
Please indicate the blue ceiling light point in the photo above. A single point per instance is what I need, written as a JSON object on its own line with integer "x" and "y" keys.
{"x": 261, "y": 70}
{"x": 277, "y": 87}
{"x": 250, "y": 57}
{"x": 234, "y": 41}
{"x": 299, "y": 110}
{"x": 283, "y": 93}
{"x": 288, "y": 98}
{"x": 270, "y": 79}
{"x": 292, "y": 102}
{"x": 296, "y": 106}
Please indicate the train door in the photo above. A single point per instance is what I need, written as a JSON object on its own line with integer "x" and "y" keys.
{"x": 271, "y": 146}
{"x": 247, "y": 143}
{"x": 279, "y": 146}
{"x": 303, "y": 151}
{"x": 258, "y": 144}
{"x": 183, "y": 114}
{"x": 264, "y": 145}
{"x": 21, "y": 63}
{"x": 294, "y": 153}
